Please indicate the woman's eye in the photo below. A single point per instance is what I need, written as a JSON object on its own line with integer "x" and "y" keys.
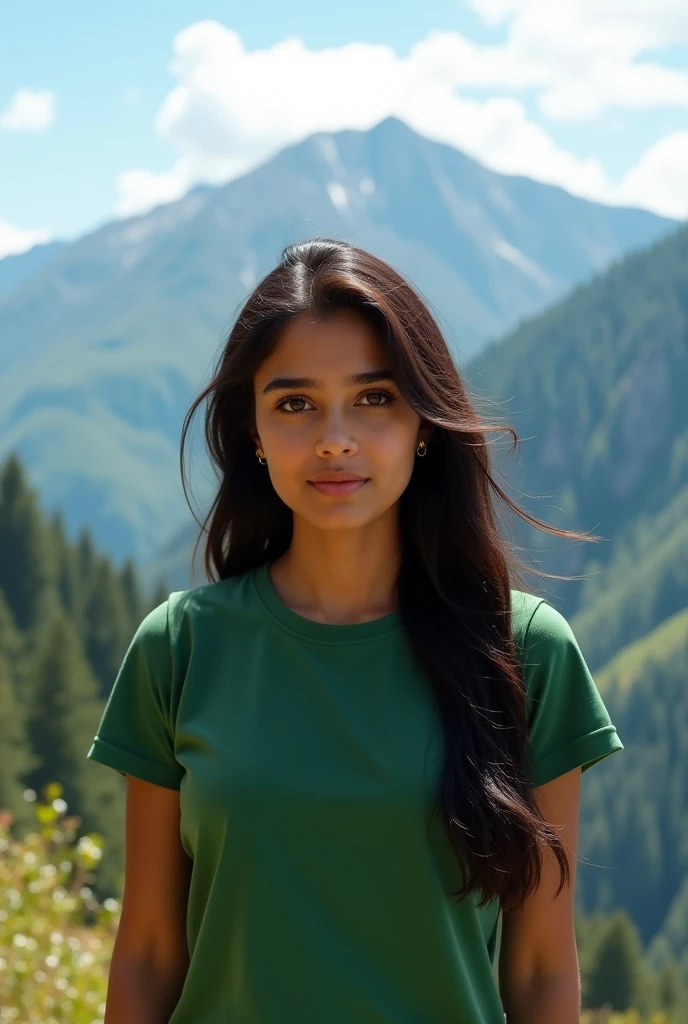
{"x": 386, "y": 397}
{"x": 290, "y": 401}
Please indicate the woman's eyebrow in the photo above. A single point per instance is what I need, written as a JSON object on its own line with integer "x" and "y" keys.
{"x": 351, "y": 380}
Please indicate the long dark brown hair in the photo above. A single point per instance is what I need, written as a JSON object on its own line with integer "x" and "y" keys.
{"x": 457, "y": 569}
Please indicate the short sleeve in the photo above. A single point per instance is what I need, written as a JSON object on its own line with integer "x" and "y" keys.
{"x": 135, "y": 735}
{"x": 568, "y": 723}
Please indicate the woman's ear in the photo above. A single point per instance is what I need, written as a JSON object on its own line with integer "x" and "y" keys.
{"x": 255, "y": 437}
{"x": 426, "y": 431}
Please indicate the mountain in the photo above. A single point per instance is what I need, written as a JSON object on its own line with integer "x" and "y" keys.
{"x": 19, "y": 267}
{"x": 640, "y": 803}
{"x": 597, "y": 389}
{"x": 103, "y": 348}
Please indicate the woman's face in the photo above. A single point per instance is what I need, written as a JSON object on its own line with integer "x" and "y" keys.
{"x": 318, "y": 415}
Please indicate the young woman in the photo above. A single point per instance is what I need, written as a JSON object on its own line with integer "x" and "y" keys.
{"x": 354, "y": 757}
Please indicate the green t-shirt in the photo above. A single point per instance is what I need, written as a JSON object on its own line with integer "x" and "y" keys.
{"x": 307, "y": 756}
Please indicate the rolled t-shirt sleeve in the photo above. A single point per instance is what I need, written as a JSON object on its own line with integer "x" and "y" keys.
{"x": 568, "y": 722}
{"x": 135, "y": 735}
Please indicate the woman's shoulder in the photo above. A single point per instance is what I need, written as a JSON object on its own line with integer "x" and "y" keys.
{"x": 163, "y": 622}
{"x": 535, "y": 620}
{"x": 523, "y": 608}
{"x": 542, "y": 634}
{"x": 207, "y": 600}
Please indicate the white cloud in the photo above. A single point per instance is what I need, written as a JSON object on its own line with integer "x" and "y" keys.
{"x": 29, "y": 110}
{"x": 139, "y": 190}
{"x": 651, "y": 23}
{"x": 584, "y": 53}
{"x": 233, "y": 108}
{"x": 14, "y": 240}
{"x": 659, "y": 180}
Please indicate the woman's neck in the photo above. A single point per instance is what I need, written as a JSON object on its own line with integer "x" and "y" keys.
{"x": 341, "y": 576}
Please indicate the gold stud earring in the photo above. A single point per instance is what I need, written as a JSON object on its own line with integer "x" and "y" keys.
{"x": 422, "y": 450}
{"x": 260, "y": 455}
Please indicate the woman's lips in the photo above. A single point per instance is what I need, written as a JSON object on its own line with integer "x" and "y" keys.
{"x": 337, "y": 489}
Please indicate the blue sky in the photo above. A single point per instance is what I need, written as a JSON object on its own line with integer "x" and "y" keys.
{"x": 106, "y": 111}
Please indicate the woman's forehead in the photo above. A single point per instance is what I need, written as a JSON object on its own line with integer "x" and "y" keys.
{"x": 331, "y": 347}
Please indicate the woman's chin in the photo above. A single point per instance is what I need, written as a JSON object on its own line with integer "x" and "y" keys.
{"x": 340, "y": 517}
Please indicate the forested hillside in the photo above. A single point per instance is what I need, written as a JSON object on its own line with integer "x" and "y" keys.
{"x": 637, "y": 812}
{"x": 66, "y": 618}
{"x": 596, "y": 388}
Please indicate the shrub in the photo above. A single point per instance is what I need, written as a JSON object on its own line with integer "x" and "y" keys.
{"x": 629, "y": 1017}
{"x": 55, "y": 937}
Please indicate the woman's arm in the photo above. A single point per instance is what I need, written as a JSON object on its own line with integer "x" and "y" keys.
{"x": 150, "y": 956}
{"x": 539, "y": 978}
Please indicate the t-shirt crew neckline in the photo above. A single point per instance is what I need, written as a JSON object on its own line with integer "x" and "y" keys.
{"x": 319, "y": 632}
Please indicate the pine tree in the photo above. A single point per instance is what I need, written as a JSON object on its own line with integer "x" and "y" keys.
{"x": 28, "y": 570}
{"x": 671, "y": 992}
{"x": 65, "y": 709}
{"x": 68, "y": 582}
{"x": 85, "y": 560}
{"x": 16, "y": 758}
{"x": 132, "y": 595}
{"x": 615, "y": 972}
{"x": 107, "y": 628}
{"x": 12, "y": 646}
{"x": 160, "y": 594}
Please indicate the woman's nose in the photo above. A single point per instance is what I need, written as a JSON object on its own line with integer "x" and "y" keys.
{"x": 336, "y": 439}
